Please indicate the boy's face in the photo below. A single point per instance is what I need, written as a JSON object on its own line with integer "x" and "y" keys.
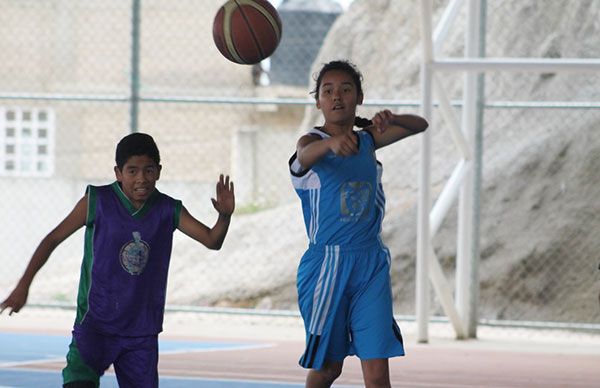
{"x": 138, "y": 178}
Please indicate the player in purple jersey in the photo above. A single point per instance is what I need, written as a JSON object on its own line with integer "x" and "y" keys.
{"x": 127, "y": 249}
{"x": 344, "y": 290}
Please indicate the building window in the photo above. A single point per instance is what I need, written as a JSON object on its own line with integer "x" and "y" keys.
{"x": 26, "y": 141}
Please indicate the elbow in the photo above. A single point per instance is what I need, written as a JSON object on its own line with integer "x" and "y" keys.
{"x": 301, "y": 160}
{"x": 215, "y": 245}
{"x": 423, "y": 125}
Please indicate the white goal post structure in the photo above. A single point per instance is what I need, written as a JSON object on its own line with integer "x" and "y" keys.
{"x": 464, "y": 183}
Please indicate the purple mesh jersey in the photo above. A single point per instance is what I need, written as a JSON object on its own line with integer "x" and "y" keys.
{"x": 124, "y": 272}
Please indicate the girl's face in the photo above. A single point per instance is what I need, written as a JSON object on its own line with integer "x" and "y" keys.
{"x": 338, "y": 98}
{"x": 138, "y": 178}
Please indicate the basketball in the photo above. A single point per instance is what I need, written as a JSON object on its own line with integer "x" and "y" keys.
{"x": 247, "y": 31}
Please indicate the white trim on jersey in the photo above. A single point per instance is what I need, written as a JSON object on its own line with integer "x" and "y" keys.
{"x": 324, "y": 290}
{"x": 308, "y": 181}
{"x": 315, "y": 197}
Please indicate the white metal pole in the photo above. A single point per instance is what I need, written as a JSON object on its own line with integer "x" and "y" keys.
{"x": 473, "y": 318}
{"x": 446, "y": 198}
{"x": 423, "y": 239}
{"x": 448, "y": 17}
{"x": 465, "y": 204}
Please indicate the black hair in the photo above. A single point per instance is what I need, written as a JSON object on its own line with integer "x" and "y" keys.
{"x": 355, "y": 74}
{"x": 136, "y": 144}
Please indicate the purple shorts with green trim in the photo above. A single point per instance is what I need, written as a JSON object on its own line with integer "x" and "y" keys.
{"x": 135, "y": 359}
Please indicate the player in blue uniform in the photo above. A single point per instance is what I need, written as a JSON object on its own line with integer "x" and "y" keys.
{"x": 343, "y": 281}
{"x": 129, "y": 228}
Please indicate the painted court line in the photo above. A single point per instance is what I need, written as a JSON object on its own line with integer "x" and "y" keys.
{"x": 35, "y": 349}
{"x": 223, "y": 348}
{"x": 33, "y": 378}
{"x": 19, "y": 349}
{"x": 30, "y": 362}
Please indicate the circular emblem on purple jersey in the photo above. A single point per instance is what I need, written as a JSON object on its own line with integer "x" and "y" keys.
{"x": 134, "y": 255}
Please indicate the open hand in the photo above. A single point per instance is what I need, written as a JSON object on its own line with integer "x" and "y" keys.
{"x": 225, "y": 202}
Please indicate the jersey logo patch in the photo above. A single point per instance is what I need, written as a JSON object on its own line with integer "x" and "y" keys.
{"x": 134, "y": 255}
{"x": 355, "y": 199}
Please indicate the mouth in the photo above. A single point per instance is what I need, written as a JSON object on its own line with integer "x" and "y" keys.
{"x": 338, "y": 107}
{"x": 141, "y": 191}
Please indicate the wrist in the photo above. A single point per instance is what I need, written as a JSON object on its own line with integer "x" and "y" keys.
{"x": 225, "y": 216}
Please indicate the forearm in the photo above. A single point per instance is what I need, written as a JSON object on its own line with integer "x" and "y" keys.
{"x": 37, "y": 261}
{"x": 387, "y": 131}
{"x": 412, "y": 123}
{"x": 218, "y": 232}
{"x": 311, "y": 153}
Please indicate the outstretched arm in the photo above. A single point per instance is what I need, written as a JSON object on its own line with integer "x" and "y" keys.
{"x": 74, "y": 220}
{"x": 388, "y": 128}
{"x": 311, "y": 149}
{"x": 213, "y": 237}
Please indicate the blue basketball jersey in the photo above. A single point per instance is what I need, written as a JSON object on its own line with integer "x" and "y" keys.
{"x": 127, "y": 251}
{"x": 342, "y": 197}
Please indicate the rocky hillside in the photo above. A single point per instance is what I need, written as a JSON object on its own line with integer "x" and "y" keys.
{"x": 541, "y": 176}
{"x": 540, "y": 207}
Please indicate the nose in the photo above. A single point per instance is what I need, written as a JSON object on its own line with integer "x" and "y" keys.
{"x": 140, "y": 176}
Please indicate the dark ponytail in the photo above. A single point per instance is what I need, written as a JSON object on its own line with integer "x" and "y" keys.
{"x": 361, "y": 122}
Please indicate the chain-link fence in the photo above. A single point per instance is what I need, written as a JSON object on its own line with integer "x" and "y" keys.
{"x": 67, "y": 77}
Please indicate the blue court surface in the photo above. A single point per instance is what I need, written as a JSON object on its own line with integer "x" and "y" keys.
{"x": 30, "y": 349}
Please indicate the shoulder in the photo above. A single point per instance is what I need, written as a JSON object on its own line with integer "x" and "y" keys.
{"x": 318, "y": 133}
{"x": 167, "y": 199}
{"x": 101, "y": 189}
{"x": 367, "y": 136}
{"x": 172, "y": 203}
{"x": 312, "y": 135}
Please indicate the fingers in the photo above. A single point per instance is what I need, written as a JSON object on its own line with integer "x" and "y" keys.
{"x": 224, "y": 184}
{"x": 224, "y": 203}
{"x": 11, "y": 308}
{"x": 382, "y": 119}
{"x": 224, "y": 181}
{"x": 345, "y": 145}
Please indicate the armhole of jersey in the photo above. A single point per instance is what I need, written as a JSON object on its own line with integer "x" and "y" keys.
{"x": 91, "y": 205}
{"x": 177, "y": 214}
{"x": 370, "y": 135}
{"x": 295, "y": 167}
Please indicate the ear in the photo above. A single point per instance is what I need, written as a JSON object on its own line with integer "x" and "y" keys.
{"x": 118, "y": 174}
{"x": 359, "y": 99}
{"x": 159, "y": 170}
{"x": 318, "y": 104}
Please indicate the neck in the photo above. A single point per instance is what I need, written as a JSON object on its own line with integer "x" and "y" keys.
{"x": 337, "y": 129}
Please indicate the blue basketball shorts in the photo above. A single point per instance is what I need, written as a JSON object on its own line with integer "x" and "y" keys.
{"x": 135, "y": 359}
{"x": 345, "y": 298}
